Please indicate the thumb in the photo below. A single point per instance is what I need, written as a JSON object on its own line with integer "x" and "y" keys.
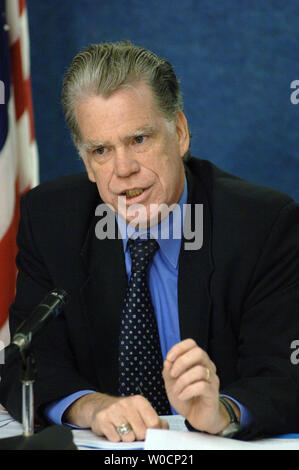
{"x": 164, "y": 424}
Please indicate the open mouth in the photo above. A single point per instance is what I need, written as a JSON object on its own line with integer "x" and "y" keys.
{"x": 130, "y": 193}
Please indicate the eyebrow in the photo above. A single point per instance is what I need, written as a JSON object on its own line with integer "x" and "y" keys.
{"x": 93, "y": 144}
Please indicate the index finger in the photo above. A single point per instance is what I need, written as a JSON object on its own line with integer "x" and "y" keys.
{"x": 180, "y": 348}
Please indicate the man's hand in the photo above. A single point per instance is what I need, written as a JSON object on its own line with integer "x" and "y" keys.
{"x": 192, "y": 386}
{"x": 103, "y": 414}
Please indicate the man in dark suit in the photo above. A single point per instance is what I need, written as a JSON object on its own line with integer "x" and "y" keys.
{"x": 226, "y": 309}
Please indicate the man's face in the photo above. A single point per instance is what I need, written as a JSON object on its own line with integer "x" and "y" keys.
{"x": 131, "y": 151}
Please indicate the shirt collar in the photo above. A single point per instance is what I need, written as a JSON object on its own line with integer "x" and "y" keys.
{"x": 169, "y": 245}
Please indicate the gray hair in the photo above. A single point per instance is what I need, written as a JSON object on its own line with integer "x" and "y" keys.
{"x": 101, "y": 69}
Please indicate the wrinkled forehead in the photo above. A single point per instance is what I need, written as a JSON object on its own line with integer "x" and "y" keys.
{"x": 126, "y": 112}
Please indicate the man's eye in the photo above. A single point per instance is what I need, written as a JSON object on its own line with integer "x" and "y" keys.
{"x": 139, "y": 139}
{"x": 99, "y": 151}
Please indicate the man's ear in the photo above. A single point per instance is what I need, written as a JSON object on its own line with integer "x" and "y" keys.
{"x": 87, "y": 165}
{"x": 182, "y": 132}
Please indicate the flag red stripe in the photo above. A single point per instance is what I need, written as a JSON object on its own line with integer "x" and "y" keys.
{"x": 8, "y": 251}
{"x": 8, "y": 268}
{"x": 22, "y": 4}
{"x": 17, "y": 78}
{"x": 28, "y": 92}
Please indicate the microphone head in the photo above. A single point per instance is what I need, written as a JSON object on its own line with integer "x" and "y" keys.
{"x": 61, "y": 294}
{"x": 50, "y": 307}
{"x": 57, "y": 298}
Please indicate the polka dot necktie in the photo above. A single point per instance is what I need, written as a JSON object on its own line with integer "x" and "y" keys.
{"x": 140, "y": 358}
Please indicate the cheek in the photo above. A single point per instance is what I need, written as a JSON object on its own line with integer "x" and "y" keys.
{"x": 100, "y": 176}
{"x": 170, "y": 169}
{"x": 173, "y": 180}
{"x": 160, "y": 159}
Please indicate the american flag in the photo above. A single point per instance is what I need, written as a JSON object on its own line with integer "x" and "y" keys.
{"x": 18, "y": 149}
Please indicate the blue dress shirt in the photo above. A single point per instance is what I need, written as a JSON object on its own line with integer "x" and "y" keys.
{"x": 162, "y": 279}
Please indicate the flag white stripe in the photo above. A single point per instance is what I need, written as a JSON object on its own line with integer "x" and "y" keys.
{"x": 13, "y": 20}
{"x": 27, "y": 154}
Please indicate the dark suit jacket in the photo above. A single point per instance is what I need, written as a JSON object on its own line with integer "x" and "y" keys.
{"x": 238, "y": 295}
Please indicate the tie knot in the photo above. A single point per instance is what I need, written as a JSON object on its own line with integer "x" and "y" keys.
{"x": 142, "y": 252}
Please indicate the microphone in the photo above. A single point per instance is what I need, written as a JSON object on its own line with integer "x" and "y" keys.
{"x": 55, "y": 437}
{"x": 50, "y": 307}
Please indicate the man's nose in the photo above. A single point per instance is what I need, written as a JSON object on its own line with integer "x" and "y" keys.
{"x": 125, "y": 163}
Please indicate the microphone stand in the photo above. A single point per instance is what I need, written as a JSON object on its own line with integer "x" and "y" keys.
{"x": 28, "y": 374}
{"x": 54, "y": 437}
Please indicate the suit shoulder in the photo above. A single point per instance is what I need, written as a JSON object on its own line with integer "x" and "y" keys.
{"x": 65, "y": 193}
{"x": 226, "y": 189}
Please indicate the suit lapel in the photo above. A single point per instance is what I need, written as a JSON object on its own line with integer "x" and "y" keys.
{"x": 102, "y": 296}
{"x": 195, "y": 270}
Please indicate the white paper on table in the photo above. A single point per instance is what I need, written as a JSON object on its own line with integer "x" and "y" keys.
{"x": 8, "y": 426}
{"x": 86, "y": 439}
{"x": 179, "y": 440}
